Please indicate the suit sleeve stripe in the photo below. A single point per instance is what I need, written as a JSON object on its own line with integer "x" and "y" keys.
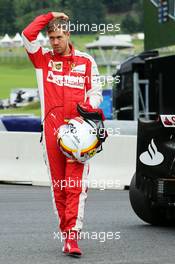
{"x": 31, "y": 46}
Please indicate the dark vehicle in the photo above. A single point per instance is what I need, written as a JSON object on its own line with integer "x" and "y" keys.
{"x": 152, "y": 189}
{"x": 123, "y": 93}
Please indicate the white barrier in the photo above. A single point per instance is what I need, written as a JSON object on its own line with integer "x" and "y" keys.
{"x": 116, "y": 164}
{"x": 21, "y": 160}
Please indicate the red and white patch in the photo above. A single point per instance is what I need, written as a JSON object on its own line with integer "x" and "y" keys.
{"x": 168, "y": 120}
{"x": 56, "y": 65}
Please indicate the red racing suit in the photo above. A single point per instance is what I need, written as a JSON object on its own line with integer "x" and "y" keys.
{"x": 63, "y": 81}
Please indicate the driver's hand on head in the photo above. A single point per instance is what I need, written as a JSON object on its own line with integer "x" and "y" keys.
{"x": 60, "y": 15}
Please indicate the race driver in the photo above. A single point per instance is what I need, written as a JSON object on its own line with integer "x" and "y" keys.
{"x": 65, "y": 78}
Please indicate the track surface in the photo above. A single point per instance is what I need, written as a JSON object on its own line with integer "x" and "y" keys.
{"x": 28, "y": 224}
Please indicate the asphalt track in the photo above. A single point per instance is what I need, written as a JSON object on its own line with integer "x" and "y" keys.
{"x": 28, "y": 224}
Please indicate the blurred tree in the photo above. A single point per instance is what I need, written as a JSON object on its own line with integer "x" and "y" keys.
{"x": 27, "y": 10}
{"x": 119, "y": 5}
{"x": 130, "y": 24}
{"x": 7, "y": 17}
{"x": 133, "y": 22}
{"x": 16, "y": 14}
{"x": 86, "y": 12}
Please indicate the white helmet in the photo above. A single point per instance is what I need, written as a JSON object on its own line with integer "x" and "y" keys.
{"x": 78, "y": 139}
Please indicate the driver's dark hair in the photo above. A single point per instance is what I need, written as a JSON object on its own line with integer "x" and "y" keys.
{"x": 56, "y": 24}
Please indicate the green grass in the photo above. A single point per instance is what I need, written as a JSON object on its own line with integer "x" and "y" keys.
{"x": 80, "y": 41}
{"x": 138, "y": 45}
{"x": 33, "y": 108}
{"x": 16, "y": 76}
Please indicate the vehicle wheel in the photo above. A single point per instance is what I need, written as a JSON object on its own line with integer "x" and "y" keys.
{"x": 142, "y": 207}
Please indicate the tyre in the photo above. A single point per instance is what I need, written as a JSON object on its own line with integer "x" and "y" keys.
{"x": 142, "y": 207}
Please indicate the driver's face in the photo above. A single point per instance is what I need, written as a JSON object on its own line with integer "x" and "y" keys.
{"x": 59, "y": 40}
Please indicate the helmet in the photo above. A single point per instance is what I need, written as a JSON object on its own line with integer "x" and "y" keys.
{"x": 78, "y": 139}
